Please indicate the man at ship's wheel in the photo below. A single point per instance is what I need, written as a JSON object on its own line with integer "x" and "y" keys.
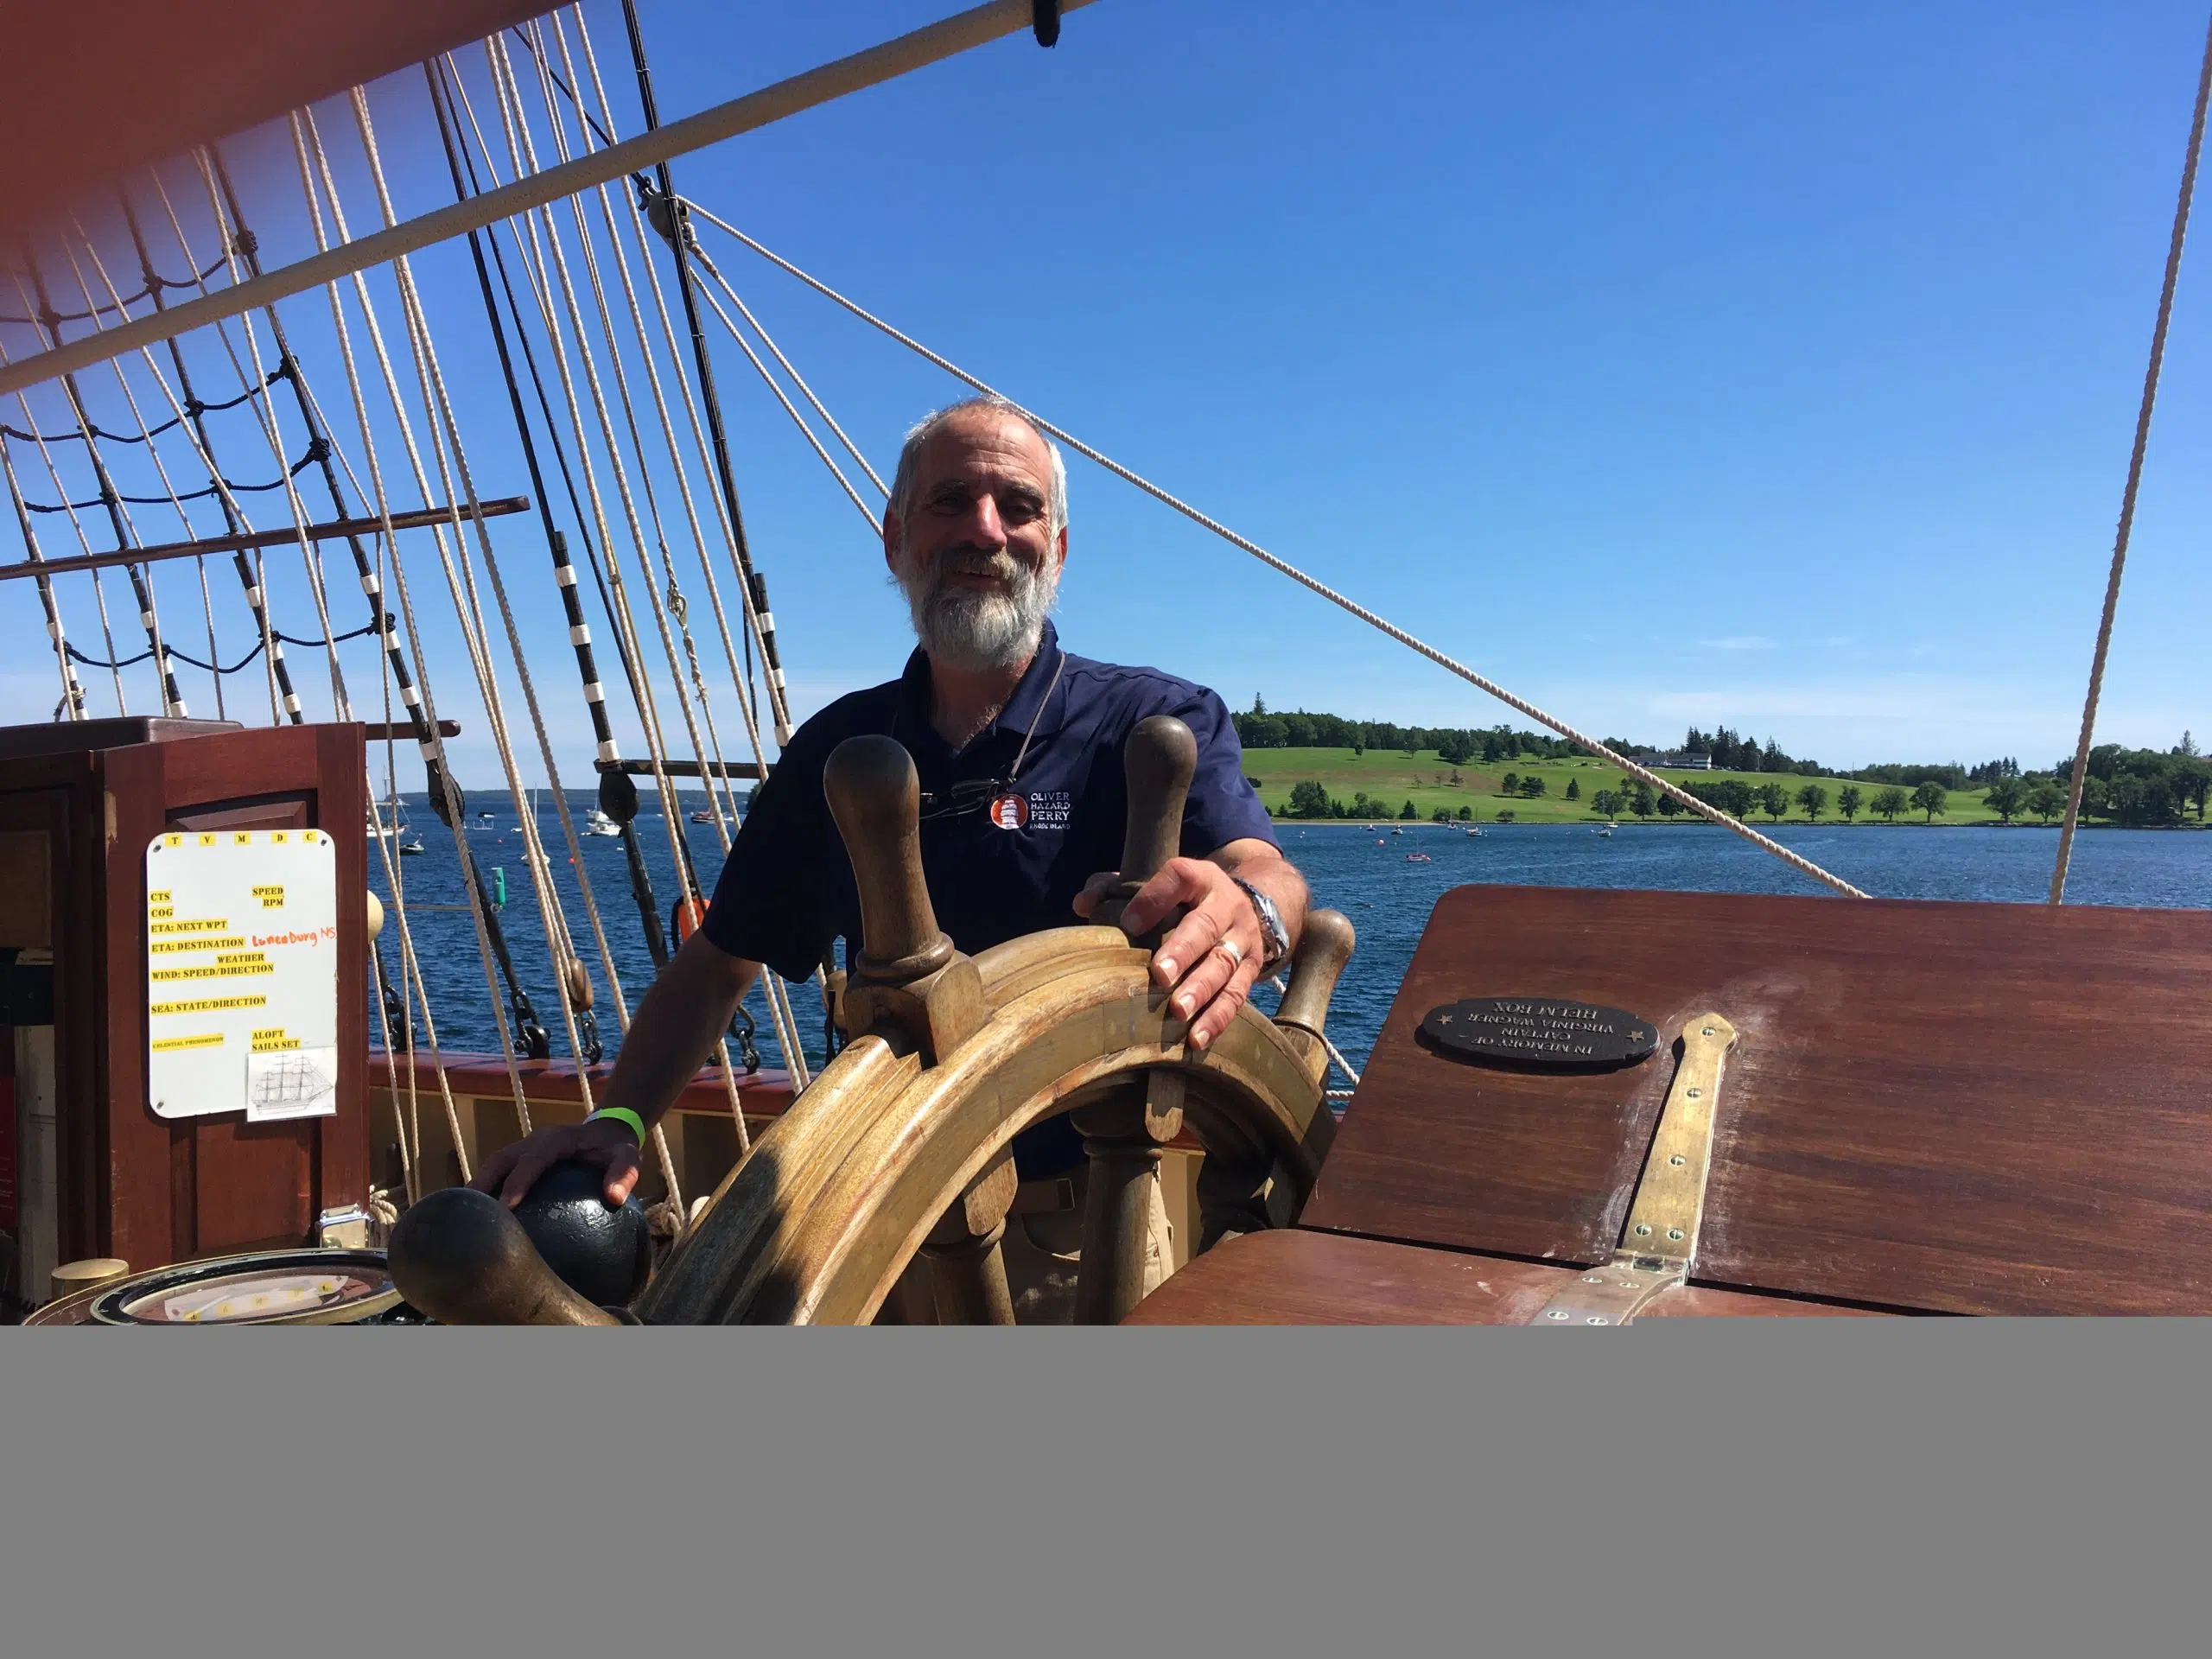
{"x": 1018, "y": 744}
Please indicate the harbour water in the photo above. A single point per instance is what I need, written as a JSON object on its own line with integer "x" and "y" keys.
{"x": 1366, "y": 874}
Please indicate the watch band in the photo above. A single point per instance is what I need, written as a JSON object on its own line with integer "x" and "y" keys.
{"x": 1271, "y": 928}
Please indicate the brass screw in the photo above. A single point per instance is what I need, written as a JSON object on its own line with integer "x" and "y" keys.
{"x": 1678, "y": 1160}
{"x": 1674, "y": 1233}
{"x": 1641, "y": 1230}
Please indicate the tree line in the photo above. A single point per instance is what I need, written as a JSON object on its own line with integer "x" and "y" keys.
{"x": 2145, "y": 787}
{"x": 1259, "y": 727}
{"x": 1311, "y": 800}
{"x": 1455, "y": 746}
{"x": 2130, "y": 786}
{"x": 1740, "y": 799}
{"x": 2141, "y": 787}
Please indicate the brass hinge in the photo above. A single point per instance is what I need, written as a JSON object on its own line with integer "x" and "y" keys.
{"x": 1658, "y": 1244}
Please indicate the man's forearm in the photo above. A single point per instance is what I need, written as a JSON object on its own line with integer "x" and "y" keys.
{"x": 685, "y": 1011}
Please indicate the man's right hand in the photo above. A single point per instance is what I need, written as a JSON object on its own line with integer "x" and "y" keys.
{"x": 512, "y": 1171}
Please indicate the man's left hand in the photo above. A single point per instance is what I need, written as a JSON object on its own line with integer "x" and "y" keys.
{"x": 1212, "y": 958}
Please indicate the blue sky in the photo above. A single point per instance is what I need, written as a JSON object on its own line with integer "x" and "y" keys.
{"x": 1771, "y": 365}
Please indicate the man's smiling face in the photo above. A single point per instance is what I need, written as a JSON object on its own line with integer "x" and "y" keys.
{"x": 977, "y": 555}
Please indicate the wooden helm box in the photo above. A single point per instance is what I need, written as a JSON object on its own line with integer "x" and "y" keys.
{"x": 79, "y": 805}
{"x": 1937, "y": 1107}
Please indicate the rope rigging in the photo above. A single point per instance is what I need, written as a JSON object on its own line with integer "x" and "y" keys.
{"x": 460, "y": 586}
{"x": 118, "y": 522}
{"x": 72, "y": 693}
{"x": 2183, "y": 197}
{"x": 677, "y": 236}
{"x": 153, "y": 290}
{"x": 618, "y": 794}
{"x": 617, "y": 791}
{"x": 752, "y": 584}
{"x": 638, "y": 473}
{"x": 564, "y": 579}
{"x": 224, "y": 201}
{"x": 214, "y": 490}
{"x": 77, "y": 655}
{"x": 51, "y": 320}
{"x": 193, "y": 409}
{"x": 250, "y": 574}
{"x": 447, "y": 799}
{"x": 1704, "y": 810}
{"x": 546, "y": 267}
{"x": 394, "y": 663}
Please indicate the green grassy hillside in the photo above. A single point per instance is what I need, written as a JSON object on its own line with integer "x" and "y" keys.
{"x": 1393, "y": 778}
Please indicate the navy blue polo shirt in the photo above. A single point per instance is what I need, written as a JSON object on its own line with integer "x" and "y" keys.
{"x": 996, "y": 868}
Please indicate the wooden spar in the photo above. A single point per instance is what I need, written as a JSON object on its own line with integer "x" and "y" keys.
{"x": 400, "y": 731}
{"x": 336, "y": 530}
{"x": 943, "y": 39}
{"x": 675, "y": 768}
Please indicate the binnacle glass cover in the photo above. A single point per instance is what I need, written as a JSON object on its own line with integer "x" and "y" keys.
{"x": 1547, "y": 1033}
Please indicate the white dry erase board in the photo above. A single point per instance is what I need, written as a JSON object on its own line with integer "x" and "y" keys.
{"x": 242, "y": 974}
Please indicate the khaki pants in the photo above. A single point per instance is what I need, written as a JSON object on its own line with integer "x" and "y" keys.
{"x": 1042, "y": 1253}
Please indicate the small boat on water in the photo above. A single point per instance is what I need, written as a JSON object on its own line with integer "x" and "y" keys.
{"x": 1419, "y": 858}
{"x": 703, "y": 817}
{"x": 391, "y": 827}
{"x": 600, "y": 824}
{"x": 1473, "y": 830}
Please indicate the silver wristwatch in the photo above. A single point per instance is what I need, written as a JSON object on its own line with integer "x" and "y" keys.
{"x": 1272, "y": 930}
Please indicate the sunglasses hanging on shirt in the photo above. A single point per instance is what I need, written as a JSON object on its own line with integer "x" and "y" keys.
{"x": 974, "y": 794}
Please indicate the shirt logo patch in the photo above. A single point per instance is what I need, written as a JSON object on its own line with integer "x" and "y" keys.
{"x": 1047, "y": 808}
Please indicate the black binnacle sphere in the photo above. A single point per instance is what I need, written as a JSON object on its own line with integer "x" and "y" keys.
{"x": 602, "y": 1254}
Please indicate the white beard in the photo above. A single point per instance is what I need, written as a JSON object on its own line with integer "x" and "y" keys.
{"x": 968, "y": 628}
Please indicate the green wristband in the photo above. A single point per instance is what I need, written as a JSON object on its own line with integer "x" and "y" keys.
{"x": 622, "y": 1115}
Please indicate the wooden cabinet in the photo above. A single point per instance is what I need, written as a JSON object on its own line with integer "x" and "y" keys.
{"x": 1949, "y": 1107}
{"x": 79, "y": 804}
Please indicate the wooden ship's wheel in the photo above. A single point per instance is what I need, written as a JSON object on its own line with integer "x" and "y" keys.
{"x": 903, "y": 1146}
